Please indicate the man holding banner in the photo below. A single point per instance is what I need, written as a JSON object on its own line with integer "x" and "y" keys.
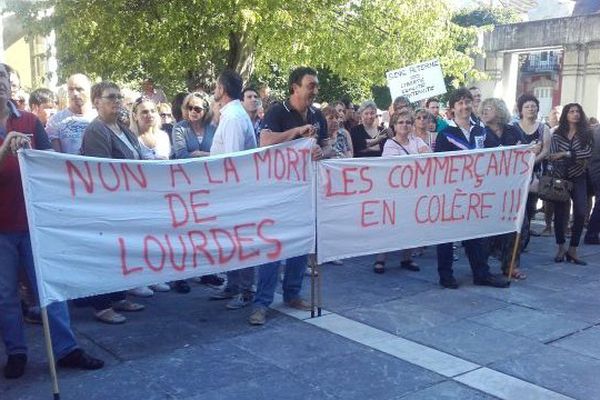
{"x": 22, "y": 129}
{"x": 292, "y": 119}
{"x": 462, "y": 134}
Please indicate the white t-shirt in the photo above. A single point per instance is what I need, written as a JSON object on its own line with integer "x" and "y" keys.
{"x": 235, "y": 131}
{"x": 392, "y": 148}
{"x": 68, "y": 128}
{"x": 161, "y": 151}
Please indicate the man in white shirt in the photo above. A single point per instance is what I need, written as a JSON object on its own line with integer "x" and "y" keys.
{"x": 65, "y": 128}
{"x": 234, "y": 133}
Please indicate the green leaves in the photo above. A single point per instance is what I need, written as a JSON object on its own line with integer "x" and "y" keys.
{"x": 190, "y": 41}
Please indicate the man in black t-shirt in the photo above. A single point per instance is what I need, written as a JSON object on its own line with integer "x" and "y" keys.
{"x": 292, "y": 119}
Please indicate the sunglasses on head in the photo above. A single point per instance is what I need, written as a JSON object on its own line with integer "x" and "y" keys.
{"x": 195, "y": 108}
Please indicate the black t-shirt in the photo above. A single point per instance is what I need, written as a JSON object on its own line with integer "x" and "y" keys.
{"x": 282, "y": 117}
{"x": 359, "y": 143}
{"x": 510, "y": 137}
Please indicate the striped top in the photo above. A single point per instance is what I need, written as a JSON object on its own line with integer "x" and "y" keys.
{"x": 580, "y": 154}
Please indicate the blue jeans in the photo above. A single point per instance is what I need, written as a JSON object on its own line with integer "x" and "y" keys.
{"x": 15, "y": 253}
{"x": 292, "y": 280}
{"x": 477, "y": 254}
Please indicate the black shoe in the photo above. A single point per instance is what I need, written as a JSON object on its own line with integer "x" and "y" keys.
{"x": 212, "y": 280}
{"x": 181, "y": 287}
{"x": 79, "y": 359}
{"x": 379, "y": 267}
{"x": 410, "y": 265}
{"x": 574, "y": 260}
{"x": 15, "y": 366}
{"x": 591, "y": 240}
{"x": 493, "y": 281}
{"x": 449, "y": 283}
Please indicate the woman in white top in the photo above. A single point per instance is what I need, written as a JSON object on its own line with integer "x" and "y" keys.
{"x": 145, "y": 123}
{"x": 154, "y": 145}
{"x": 402, "y": 143}
{"x": 421, "y": 128}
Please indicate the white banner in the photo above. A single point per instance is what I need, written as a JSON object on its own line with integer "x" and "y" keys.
{"x": 375, "y": 205}
{"x": 100, "y": 225}
{"x": 418, "y": 81}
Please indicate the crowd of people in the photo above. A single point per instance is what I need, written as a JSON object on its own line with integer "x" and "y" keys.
{"x": 104, "y": 120}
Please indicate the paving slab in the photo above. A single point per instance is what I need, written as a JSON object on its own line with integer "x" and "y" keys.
{"x": 563, "y": 371}
{"x": 474, "y": 342}
{"x": 399, "y": 317}
{"x": 534, "y": 324}
{"x": 280, "y": 385}
{"x": 448, "y": 391}
{"x": 294, "y": 344}
{"x": 456, "y": 303}
{"x": 585, "y": 342}
{"x": 367, "y": 374}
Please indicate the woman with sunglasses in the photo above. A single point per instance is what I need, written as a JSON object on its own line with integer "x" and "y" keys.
{"x": 192, "y": 137}
{"x": 422, "y": 128}
{"x": 402, "y": 143}
{"x": 107, "y": 138}
{"x": 495, "y": 116}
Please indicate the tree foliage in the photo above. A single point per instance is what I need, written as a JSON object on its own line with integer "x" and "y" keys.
{"x": 484, "y": 16}
{"x": 190, "y": 41}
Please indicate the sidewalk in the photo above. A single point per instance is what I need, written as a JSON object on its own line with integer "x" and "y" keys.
{"x": 391, "y": 336}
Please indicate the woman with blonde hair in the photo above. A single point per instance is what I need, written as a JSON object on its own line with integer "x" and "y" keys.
{"x": 154, "y": 145}
{"x": 145, "y": 123}
{"x": 495, "y": 116}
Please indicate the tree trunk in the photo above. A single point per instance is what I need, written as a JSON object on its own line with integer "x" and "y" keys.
{"x": 241, "y": 54}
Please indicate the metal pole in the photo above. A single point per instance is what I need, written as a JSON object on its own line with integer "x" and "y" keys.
{"x": 50, "y": 353}
{"x": 311, "y": 258}
{"x": 319, "y": 299}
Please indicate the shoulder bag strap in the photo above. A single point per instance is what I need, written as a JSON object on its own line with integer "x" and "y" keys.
{"x": 403, "y": 148}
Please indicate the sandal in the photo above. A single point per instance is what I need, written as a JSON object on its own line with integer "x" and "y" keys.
{"x": 379, "y": 267}
{"x": 126, "y": 305}
{"x": 516, "y": 274}
{"x": 110, "y": 316}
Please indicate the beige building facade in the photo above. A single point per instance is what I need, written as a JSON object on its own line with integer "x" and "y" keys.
{"x": 576, "y": 38}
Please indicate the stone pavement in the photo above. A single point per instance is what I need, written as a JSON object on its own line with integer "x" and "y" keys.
{"x": 391, "y": 336}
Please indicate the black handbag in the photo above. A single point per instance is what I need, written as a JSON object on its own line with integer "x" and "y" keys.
{"x": 552, "y": 187}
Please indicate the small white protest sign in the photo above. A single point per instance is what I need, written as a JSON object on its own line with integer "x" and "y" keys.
{"x": 417, "y": 81}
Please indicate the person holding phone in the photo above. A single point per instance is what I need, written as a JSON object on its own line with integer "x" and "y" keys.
{"x": 21, "y": 129}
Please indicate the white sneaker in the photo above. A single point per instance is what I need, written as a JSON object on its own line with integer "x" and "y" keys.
{"x": 142, "y": 291}
{"x": 160, "y": 287}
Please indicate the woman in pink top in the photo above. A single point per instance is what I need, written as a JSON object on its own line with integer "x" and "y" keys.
{"x": 402, "y": 143}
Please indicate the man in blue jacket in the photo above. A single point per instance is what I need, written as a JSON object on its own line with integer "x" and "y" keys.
{"x": 462, "y": 134}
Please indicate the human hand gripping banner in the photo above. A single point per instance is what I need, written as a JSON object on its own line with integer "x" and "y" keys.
{"x": 102, "y": 225}
{"x": 375, "y": 205}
